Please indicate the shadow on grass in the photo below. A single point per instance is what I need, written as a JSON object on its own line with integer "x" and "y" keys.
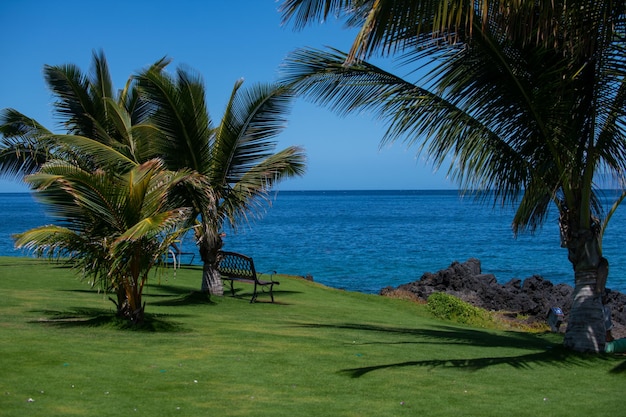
{"x": 93, "y": 317}
{"x": 550, "y": 353}
{"x": 263, "y": 297}
{"x": 449, "y": 335}
{"x": 558, "y": 356}
{"x": 165, "y": 290}
{"x": 89, "y": 290}
{"x": 184, "y": 298}
{"x": 619, "y": 369}
{"x": 168, "y": 295}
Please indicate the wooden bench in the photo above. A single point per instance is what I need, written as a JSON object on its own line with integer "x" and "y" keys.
{"x": 234, "y": 266}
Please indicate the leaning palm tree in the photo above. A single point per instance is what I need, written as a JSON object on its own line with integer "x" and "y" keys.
{"x": 525, "y": 99}
{"x": 114, "y": 228}
{"x": 237, "y": 157}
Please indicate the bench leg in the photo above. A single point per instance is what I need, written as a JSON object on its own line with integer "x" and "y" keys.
{"x": 254, "y": 294}
{"x": 232, "y": 287}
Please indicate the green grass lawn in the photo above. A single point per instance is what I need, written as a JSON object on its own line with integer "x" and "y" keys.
{"x": 317, "y": 351}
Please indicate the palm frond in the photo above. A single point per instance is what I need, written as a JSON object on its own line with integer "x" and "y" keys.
{"x": 442, "y": 126}
{"x": 253, "y": 118}
{"x": 251, "y": 194}
{"x": 24, "y": 145}
{"x": 181, "y": 115}
{"x": 100, "y": 84}
{"x": 156, "y": 225}
{"x": 73, "y": 105}
{"x": 305, "y": 12}
{"x": 80, "y": 199}
{"x": 51, "y": 241}
{"x": 97, "y": 152}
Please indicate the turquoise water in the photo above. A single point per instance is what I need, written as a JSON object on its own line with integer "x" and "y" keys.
{"x": 366, "y": 240}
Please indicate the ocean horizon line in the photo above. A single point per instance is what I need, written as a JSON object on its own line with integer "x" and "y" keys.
{"x": 351, "y": 190}
{"x": 312, "y": 190}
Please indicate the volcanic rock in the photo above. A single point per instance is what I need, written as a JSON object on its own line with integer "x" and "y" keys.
{"x": 532, "y": 297}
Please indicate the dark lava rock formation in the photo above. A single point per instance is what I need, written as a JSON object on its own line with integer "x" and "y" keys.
{"x": 532, "y": 297}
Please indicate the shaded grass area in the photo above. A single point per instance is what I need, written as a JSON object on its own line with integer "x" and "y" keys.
{"x": 317, "y": 351}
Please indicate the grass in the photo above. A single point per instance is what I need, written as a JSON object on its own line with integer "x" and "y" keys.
{"x": 317, "y": 351}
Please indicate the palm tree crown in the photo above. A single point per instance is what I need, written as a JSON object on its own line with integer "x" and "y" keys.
{"x": 113, "y": 227}
{"x": 236, "y": 157}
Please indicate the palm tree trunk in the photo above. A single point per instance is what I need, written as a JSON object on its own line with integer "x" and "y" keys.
{"x": 212, "y": 280}
{"x": 209, "y": 246}
{"x": 122, "y": 303}
{"x": 585, "y": 328}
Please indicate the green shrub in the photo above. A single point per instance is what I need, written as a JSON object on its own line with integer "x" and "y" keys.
{"x": 448, "y": 307}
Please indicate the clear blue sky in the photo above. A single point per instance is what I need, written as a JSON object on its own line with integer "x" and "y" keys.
{"x": 224, "y": 41}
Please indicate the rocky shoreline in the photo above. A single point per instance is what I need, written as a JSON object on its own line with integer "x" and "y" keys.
{"x": 531, "y": 298}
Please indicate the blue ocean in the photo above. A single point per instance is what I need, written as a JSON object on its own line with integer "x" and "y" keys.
{"x": 367, "y": 240}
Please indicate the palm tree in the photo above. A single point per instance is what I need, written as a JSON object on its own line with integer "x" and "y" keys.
{"x": 93, "y": 178}
{"x": 114, "y": 228}
{"x": 525, "y": 99}
{"x": 236, "y": 157}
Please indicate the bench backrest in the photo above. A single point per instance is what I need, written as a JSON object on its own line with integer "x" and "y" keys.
{"x": 236, "y": 265}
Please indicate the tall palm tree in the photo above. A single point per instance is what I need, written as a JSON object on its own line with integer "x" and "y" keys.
{"x": 526, "y": 99}
{"x": 237, "y": 157}
{"x": 114, "y": 228}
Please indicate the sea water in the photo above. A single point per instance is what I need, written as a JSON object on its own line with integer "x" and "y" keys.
{"x": 367, "y": 240}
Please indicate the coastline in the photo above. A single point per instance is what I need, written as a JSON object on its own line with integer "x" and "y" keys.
{"x": 363, "y": 240}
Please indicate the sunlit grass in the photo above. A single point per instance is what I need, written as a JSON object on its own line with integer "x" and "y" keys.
{"x": 317, "y": 351}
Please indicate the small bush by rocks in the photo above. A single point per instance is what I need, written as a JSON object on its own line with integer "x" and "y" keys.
{"x": 449, "y": 307}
